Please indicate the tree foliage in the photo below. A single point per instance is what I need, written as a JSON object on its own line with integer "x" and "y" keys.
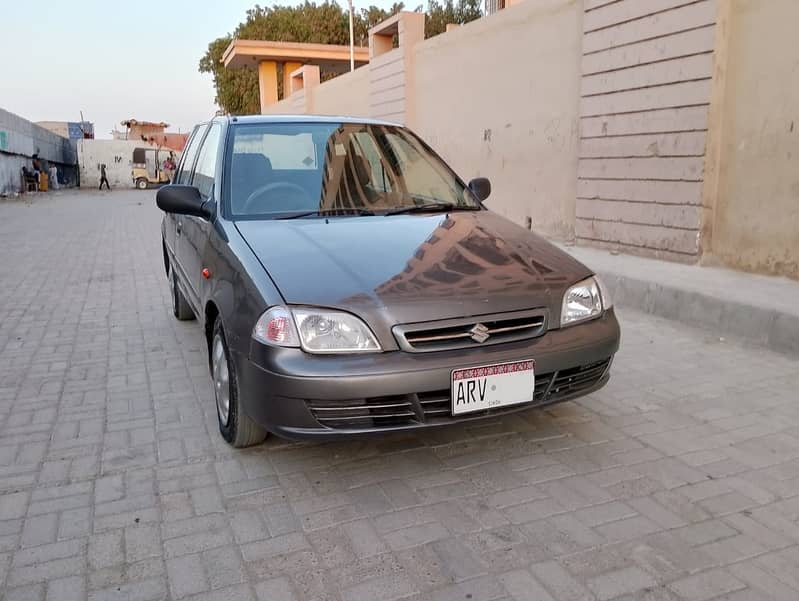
{"x": 368, "y": 18}
{"x": 326, "y": 23}
{"x": 439, "y": 15}
{"x": 236, "y": 89}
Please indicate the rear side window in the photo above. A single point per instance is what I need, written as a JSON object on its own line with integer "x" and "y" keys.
{"x": 204, "y": 172}
{"x": 184, "y": 176}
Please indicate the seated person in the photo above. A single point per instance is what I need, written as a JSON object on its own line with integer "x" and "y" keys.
{"x": 31, "y": 178}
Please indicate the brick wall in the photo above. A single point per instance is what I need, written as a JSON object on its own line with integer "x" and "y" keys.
{"x": 645, "y": 92}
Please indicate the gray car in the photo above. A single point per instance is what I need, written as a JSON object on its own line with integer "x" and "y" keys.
{"x": 349, "y": 282}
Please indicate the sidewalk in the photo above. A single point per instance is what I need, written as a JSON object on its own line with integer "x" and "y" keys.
{"x": 758, "y": 309}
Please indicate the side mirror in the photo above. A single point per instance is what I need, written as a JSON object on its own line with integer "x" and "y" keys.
{"x": 480, "y": 187}
{"x": 183, "y": 200}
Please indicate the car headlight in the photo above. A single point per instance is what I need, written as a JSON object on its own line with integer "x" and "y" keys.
{"x": 582, "y": 301}
{"x": 315, "y": 330}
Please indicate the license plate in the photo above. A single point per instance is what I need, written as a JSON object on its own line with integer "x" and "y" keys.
{"x": 491, "y": 386}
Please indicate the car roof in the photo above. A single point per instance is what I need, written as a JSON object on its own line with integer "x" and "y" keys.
{"x": 306, "y": 119}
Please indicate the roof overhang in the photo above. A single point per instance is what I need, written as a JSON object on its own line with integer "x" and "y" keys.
{"x": 243, "y": 54}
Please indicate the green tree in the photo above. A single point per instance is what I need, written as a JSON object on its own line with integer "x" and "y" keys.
{"x": 236, "y": 89}
{"x": 325, "y": 23}
{"x": 369, "y": 17}
{"x": 439, "y": 15}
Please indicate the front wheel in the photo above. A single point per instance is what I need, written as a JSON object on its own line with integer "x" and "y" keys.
{"x": 141, "y": 183}
{"x": 236, "y": 427}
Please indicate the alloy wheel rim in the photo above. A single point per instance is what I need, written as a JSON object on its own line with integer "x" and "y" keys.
{"x": 221, "y": 377}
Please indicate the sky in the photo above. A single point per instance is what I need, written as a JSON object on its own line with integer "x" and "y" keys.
{"x": 113, "y": 60}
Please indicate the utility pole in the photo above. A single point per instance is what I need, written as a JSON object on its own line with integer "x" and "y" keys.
{"x": 352, "y": 40}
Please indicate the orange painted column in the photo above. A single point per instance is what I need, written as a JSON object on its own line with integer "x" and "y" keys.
{"x": 267, "y": 83}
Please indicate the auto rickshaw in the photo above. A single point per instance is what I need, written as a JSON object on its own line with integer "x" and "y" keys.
{"x": 147, "y": 168}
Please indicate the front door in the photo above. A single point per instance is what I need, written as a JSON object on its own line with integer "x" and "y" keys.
{"x": 195, "y": 229}
{"x": 183, "y": 176}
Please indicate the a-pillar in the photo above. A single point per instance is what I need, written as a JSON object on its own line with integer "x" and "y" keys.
{"x": 267, "y": 84}
{"x": 288, "y": 69}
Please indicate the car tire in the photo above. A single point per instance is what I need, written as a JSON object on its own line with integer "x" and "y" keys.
{"x": 141, "y": 183}
{"x": 236, "y": 428}
{"x": 180, "y": 306}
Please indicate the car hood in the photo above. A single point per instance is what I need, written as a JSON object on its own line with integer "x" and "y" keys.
{"x": 412, "y": 268}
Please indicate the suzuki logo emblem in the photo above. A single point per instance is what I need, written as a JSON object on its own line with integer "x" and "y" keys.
{"x": 479, "y": 333}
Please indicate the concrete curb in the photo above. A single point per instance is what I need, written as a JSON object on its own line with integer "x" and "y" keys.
{"x": 756, "y": 309}
{"x": 773, "y": 329}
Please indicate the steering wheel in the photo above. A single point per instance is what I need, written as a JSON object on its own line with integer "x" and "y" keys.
{"x": 295, "y": 197}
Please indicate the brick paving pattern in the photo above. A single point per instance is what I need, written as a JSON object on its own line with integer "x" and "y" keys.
{"x": 678, "y": 481}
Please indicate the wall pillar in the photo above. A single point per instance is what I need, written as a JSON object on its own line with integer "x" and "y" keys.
{"x": 267, "y": 83}
{"x": 302, "y": 84}
{"x": 391, "y": 69}
{"x": 715, "y": 127}
{"x": 288, "y": 69}
{"x": 751, "y": 212}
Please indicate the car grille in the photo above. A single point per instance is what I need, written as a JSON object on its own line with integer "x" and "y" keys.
{"x": 475, "y": 331}
{"x": 371, "y": 412}
{"x": 434, "y": 407}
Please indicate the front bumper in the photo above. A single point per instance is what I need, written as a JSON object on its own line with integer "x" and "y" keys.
{"x": 301, "y": 396}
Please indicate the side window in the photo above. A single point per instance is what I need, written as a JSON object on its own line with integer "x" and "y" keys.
{"x": 184, "y": 176}
{"x": 206, "y": 163}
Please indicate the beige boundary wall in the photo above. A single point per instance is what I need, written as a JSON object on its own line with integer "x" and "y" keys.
{"x": 517, "y": 126}
{"x": 499, "y": 98}
{"x": 345, "y": 95}
{"x": 666, "y": 128}
{"x": 117, "y": 155}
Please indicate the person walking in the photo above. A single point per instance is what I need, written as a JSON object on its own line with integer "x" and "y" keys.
{"x": 103, "y": 177}
{"x": 169, "y": 168}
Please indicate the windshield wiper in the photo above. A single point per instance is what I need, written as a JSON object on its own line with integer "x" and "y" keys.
{"x": 329, "y": 212}
{"x": 431, "y": 207}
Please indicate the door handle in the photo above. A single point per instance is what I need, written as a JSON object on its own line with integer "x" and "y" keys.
{"x": 179, "y": 228}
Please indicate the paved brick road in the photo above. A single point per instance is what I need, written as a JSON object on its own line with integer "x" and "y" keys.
{"x": 678, "y": 481}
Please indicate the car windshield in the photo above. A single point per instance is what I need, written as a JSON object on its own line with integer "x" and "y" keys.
{"x": 279, "y": 170}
